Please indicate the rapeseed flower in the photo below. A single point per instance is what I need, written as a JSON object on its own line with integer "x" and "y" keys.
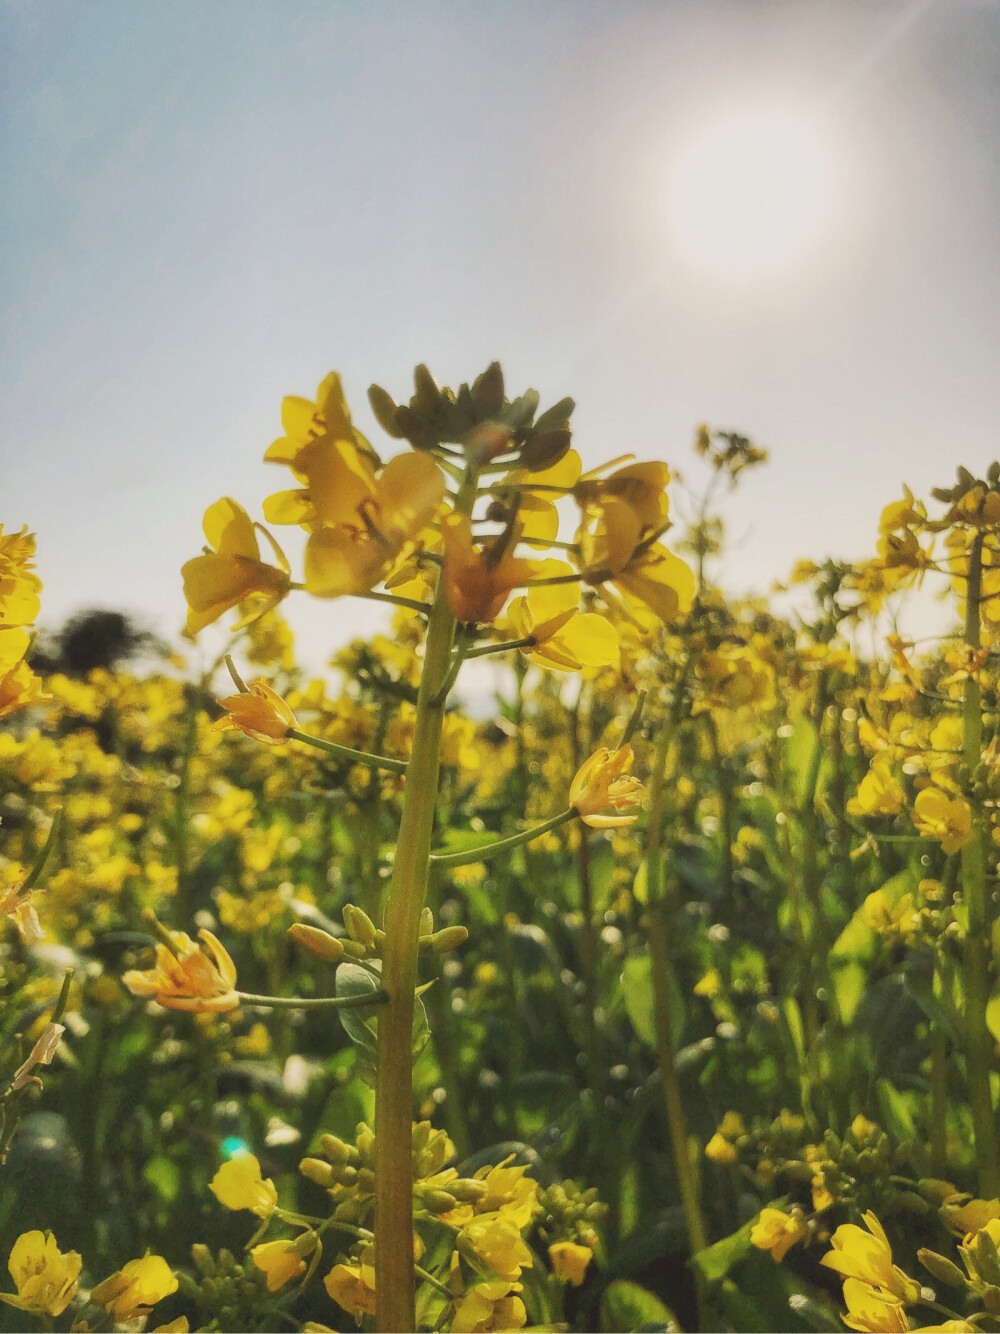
{"x": 602, "y": 781}
{"x": 259, "y": 712}
{"x": 238, "y": 1184}
{"x": 129, "y": 1293}
{"x": 231, "y": 571}
{"x": 948, "y": 819}
{"x": 352, "y": 1286}
{"x": 187, "y": 976}
{"x": 569, "y": 1261}
{"x": 46, "y": 1278}
{"x": 777, "y": 1232}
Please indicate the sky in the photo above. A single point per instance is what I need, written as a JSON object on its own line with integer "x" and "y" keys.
{"x": 206, "y": 207}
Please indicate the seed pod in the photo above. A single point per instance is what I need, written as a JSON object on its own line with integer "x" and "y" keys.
{"x": 317, "y": 942}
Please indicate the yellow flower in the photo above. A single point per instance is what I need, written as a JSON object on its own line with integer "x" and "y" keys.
{"x": 562, "y": 637}
{"x": 890, "y": 919}
{"x": 569, "y": 1261}
{"x": 15, "y": 902}
{"x": 971, "y": 1215}
{"x": 870, "y": 1311}
{"x": 867, "y": 1256}
{"x": 478, "y": 580}
{"x": 948, "y": 819}
{"x": 777, "y": 1232}
{"x": 353, "y": 555}
{"x": 188, "y": 977}
{"x": 20, "y": 688}
{"x": 732, "y": 1125}
{"x": 602, "y": 781}
{"x": 136, "y": 1287}
{"x": 280, "y": 1261}
{"x": 238, "y": 1184}
{"x": 497, "y": 1241}
{"x": 46, "y": 1279}
{"x": 508, "y": 1192}
{"x": 259, "y": 712}
{"x": 333, "y": 461}
{"x": 489, "y": 1306}
{"x": 710, "y": 985}
{"x": 178, "y": 1326}
{"x": 878, "y": 792}
{"x": 719, "y": 1150}
{"x": 231, "y": 571}
{"x": 352, "y": 1287}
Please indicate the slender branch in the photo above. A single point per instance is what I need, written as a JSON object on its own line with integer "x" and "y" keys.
{"x": 394, "y": 601}
{"x": 315, "y": 1002}
{"x": 482, "y": 650}
{"x": 486, "y": 850}
{"x": 348, "y": 752}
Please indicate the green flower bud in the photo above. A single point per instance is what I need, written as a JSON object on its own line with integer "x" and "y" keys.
{"x": 317, "y": 942}
{"x": 359, "y": 925}
{"x": 943, "y": 1269}
{"x": 315, "y": 1169}
{"x": 449, "y": 939}
{"x": 202, "y": 1257}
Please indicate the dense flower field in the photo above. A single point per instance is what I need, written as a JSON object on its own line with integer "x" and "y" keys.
{"x": 663, "y": 998}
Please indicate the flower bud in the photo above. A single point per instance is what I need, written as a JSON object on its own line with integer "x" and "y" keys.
{"x": 467, "y": 1191}
{"x": 449, "y": 938}
{"x": 336, "y": 1150}
{"x": 943, "y": 1269}
{"x": 318, "y": 1171}
{"x": 438, "y": 1201}
{"x": 426, "y": 922}
{"x": 359, "y": 925}
{"x": 203, "y": 1260}
{"x": 317, "y": 942}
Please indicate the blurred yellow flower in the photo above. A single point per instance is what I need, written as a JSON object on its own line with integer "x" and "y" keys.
{"x": 280, "y": 1261}
{"x": 238, "y": 1184}
{"x": 46, "y": 1278}
{"x": 478, "y": 580}
{"x": 569, "y": 1261}
{"x": 489, "y": 1306}
{"x": 352, "y": 1286}
{"x": 777, "y": 1232}
{"x": 136, "y": 1287}
{"x": 948, "y": 819}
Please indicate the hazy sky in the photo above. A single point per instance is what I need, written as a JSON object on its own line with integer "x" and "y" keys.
{"x": 206, "y": 206}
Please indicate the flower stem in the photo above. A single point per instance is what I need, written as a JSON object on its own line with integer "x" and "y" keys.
{"x": 486, "y": 850}
{"x": 395, "y": 1292}
{"x": 348, "y": 753}
{"x": 978, "y": 1042}
{"x": 314, "y": 1002}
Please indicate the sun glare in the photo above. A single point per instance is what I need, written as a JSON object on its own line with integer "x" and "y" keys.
{"x": 750, "y": 194}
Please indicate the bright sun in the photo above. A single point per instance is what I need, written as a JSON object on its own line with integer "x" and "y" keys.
{"x": 751, "y": 193}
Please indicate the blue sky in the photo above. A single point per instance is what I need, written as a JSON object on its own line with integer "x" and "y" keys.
{"x": 208, "y": 206}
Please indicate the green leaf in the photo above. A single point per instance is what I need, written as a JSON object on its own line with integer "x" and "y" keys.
{"x": 629, "y": 1306}
{"x": 362, "y": 1027}
{"x": 716, "y": 1261}
{"x": 896, "y": 1114}
{"x": 801, "y": 759}
{"x": 164, "y": 1176}
{"x": 640, "y": 1000}
{"x": 993, "y": 1015}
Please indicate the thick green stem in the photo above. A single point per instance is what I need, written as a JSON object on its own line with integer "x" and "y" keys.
{"x": 395, "y": 1294}
{"x": 978, "y": 1042}
{"x": 659, "y": 948}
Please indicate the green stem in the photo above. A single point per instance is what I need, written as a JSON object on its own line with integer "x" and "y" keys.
{"x": 315, "y": 1002}
{"x": 348, "y": 752}
{"x": 978, "y": 1041}
{"x": 659, "y": 949}
{"x": 486, "y": 850}
{"x": 483, "y": 649}
{"x": 395, "y": 1293}
{"x": 939, "y": 1101}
